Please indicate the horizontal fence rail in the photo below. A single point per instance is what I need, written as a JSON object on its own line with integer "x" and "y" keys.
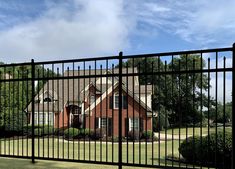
{"x": 163, "y": 110}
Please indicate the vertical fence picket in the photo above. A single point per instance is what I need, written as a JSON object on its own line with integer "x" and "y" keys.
{"x": 233, "y": 105}
{"x": 33, "y": 111}
{"x": 120, "y": 113}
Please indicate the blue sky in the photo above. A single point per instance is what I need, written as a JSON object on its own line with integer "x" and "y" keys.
{"x": 66, "y": 29}
{"x": 60, "y": 29}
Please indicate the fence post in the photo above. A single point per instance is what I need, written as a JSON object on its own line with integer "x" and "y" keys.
{"x": 233, "y": 106}
{"x": 33, "y": 111}
{"x": 120, "y": 113}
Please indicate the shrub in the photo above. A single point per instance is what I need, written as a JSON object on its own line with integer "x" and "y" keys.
{"x": 38, "y": 132}
{"x": 92, "y": 133}
{"x": 187, "y": 148}
{"x": 84, "y": 132}
{"x": 27, "y": 129}
{"x": 134, "y": 135}
{"x": 71, "y": 133}
{"x": 206, "y": 149}
{"x": 59, "y": 131}
{"x": 99, "y": 133}
{"x": 48, "y": 130}
{"x": 115, "y": 139}
{"x": 147, "y": 134}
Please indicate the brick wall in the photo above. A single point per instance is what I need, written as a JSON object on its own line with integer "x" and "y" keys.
{"x": 103, "y": 109}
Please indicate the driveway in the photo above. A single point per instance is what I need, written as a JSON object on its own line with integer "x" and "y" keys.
{"x": 164, "y": 136}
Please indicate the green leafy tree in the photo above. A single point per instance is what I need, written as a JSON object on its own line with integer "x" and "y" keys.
{"x": 223, "y": 113}
{"x": 188, "y": 96}
{"x": 178, "y": 97}
{"x": 16, "y": 95}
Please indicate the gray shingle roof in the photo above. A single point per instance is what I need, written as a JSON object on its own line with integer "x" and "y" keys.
{"x": 72, "y": 90}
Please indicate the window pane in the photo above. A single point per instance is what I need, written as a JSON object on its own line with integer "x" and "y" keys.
{"x": 103, "y": 122}
{"x": 124, "y": 102}
{"x": 92, "y": 99}
{"x": 134, "y": 124}
{"x": 51, "y": 118}
{"x": 36, "y": 118}
{"x": 47, "y": 99}
{"x": 116, "y": 101}
{"x": 41, "y": 118}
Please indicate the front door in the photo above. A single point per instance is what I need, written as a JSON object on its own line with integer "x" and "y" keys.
{"x": 75, "y": 121}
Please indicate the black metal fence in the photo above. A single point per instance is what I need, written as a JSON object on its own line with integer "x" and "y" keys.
{"x": 166, "y": 110}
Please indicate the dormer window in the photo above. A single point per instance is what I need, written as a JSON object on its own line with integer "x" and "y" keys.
{"x": 47, "y": 99}
{"x": 92, "y": 99}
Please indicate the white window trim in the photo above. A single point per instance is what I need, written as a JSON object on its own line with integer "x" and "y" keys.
{"x": 133, "y": 123}
{"x": 70, "y": 119}
{"x": 116, "y": 94}
{"x": 99, "y": 121}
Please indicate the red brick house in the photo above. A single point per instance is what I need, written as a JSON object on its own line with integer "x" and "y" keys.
{"x": 93, "y": 102}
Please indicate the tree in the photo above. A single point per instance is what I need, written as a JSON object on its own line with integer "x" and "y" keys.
{"x": 15, "y": 95}
{"x": 188, "y": 89}
{"x": 179, "y": 96}
{"x": 223, "y": 114}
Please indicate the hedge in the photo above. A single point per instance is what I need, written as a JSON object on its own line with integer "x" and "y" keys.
{"x": 45, "y": 130}
{"x": 134, "y": 135}
{"x": 84, "y": 132}
{"x": 147, "y": 134}
{"x": 71, "y": 133}
{"x": 205, "y": 150}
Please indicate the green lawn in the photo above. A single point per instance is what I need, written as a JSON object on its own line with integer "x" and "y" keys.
{"x": 13, "y": 163}
{"x": 196, "y": 130}
{"x": 86, "y": 151}
{"x": 139, "y": 153}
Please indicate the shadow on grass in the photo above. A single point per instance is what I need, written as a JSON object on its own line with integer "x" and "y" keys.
{"x": 173, "y": 163}
{"x": 14, "y": 163}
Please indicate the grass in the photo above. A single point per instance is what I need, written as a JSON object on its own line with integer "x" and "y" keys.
{"x": 58, "y": 148}
{"x": 137, "y": 153}
{"x": 10, "y": 163}
{"x": 14, "y": 163}
{"x": 196, "y": 130}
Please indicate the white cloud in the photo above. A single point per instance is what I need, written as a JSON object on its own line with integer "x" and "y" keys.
{"x": 86, "y": 28}
{"x": 200, "y": 22}
{"x": 220, "y": 87}
{"x": 71, "y": 29}
{"x": 221, "y": 77}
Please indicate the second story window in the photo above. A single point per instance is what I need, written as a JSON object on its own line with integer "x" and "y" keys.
{"x": 116, "y": 101}
{"x": 92, "y": 99}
